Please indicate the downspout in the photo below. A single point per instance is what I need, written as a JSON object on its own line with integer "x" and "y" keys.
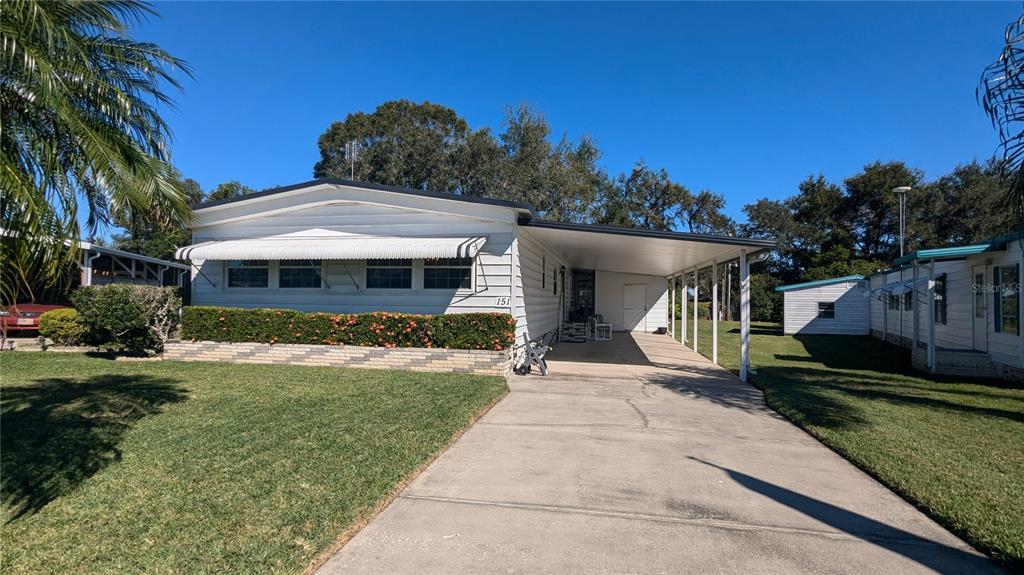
{"x": 512, "y": 296}
{"x": 87, "y": 268}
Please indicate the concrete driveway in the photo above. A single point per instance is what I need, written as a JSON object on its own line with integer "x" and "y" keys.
{"x": 638, "y": 456}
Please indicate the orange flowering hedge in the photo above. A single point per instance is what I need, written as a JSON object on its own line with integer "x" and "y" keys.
{"x": 377, "y": 329}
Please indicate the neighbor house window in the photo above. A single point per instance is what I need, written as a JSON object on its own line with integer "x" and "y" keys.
{"x": 1007, "y": 298}
{"x": 908, "y": 300}
{"x": 894, "y": 302}
{"x": 448, "y": 273}
{"x": 940, "y": 299}
{"x": 389, "y": 274}
{"x": 299, "y": 274}
{"x": 826, "y": 310}
{"x": 543, "y": 272}
{"x": 554, "y": 280}
{"x": 248, "y": 273}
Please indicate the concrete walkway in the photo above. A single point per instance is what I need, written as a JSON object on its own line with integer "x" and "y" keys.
{"x": 638, "y": 456}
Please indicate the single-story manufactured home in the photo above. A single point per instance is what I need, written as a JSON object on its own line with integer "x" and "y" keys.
{"x": 343, "y": 246}
{"x": 958, "y": 309}
{"x": 837, "y": 306}
{"x": 973, "y": 325}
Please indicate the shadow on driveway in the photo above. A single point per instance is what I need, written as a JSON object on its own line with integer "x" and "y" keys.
{"x": 941, "y": 558}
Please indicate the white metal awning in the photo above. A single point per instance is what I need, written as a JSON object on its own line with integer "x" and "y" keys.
{"x": 645, "y": 252}
{"x": 336, "y": 247}
{"x": 898, "y": 287}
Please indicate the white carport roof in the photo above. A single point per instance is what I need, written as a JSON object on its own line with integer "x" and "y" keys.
{"x": 635, "y": 251}
{"x": 326, "y": 245}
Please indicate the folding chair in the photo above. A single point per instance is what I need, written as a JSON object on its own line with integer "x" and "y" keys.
{"x": 535, "y": 354}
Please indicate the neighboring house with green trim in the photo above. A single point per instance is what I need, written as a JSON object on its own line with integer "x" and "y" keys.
{"x": 837, "y": 306}
{"x": 958, "y": 308}
{"x": 973, "y": 326}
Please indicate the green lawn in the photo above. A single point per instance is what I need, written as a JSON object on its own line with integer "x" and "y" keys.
{"x": 952, "y": 447}
{"x": 168, "y": 467}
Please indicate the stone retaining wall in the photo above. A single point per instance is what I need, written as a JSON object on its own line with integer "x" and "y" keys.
{"x": 482, "y": 362}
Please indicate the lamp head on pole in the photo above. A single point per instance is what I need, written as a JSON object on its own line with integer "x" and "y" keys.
{"x": 902, "y": 189}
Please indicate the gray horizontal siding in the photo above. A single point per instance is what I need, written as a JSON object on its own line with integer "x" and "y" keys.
{"x": 851, "y": 310}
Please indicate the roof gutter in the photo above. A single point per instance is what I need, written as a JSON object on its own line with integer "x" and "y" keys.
{"x": 656, "y": 234}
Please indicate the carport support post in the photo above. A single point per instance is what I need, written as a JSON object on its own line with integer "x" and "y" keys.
{"x": 684, "y": 298}
{"x": 714, "y": 312}
{"x": 695, "y": 306}
{"x": 744, "y": 316}
{"x": 672, "y": 306}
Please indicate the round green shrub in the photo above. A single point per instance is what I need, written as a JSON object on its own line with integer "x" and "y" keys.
{"x": 63, "y": 327}
{"x": 134, "y": 318}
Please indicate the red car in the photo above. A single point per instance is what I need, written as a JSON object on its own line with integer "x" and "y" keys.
{"x": 24, "y": 316}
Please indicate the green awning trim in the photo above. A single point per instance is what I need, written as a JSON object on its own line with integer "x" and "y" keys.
{"x": 817, "y": 283}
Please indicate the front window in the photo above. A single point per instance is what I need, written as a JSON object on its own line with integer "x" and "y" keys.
{"x": 826, "y": 310}
{"x": 448, "y": 273}
{"x": 908, "y": 300}
{"x": 1007, "y": 299}
{"x": 940, "y": 299}
{"x": 248, "y": 273}
{"x": 299, "y": 274}
{"x": 389, "y": 274}
{"x": 894, "y": 302}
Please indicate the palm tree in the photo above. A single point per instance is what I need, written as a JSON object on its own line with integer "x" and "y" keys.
{"x": 1001, "y": 93}
{"x": 79, "y": 132}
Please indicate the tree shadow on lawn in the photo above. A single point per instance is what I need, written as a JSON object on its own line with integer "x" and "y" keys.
{"x": 807, "y": 390}
{"x": 855, "y": 352}
{"x": 714, "y": 386}
{"x": 58, "y": 432}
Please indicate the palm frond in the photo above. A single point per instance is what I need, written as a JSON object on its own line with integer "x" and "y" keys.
{"x": 79, "y": 130}
{"x": 1001, "y": 94}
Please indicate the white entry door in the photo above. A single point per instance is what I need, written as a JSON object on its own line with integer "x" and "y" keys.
{"x": 980, "y": 315}
{"x": 634, "y": 307}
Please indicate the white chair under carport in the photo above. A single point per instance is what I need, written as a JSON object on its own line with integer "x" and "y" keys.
{"x": 675, "y": 256}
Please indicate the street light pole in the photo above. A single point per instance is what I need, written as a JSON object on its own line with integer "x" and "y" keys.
{"x": 902, "y": 191}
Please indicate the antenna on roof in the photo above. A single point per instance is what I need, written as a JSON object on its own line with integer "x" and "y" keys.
{"x": 351, "y": 148}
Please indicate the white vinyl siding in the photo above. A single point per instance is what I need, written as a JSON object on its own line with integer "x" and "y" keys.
{"x": 609, "y": 292}
{"x": 344, "y": 289}
{"x": 1004, "y": 348}
{"x": 801, "y": 305}
{"x": 537, "y": 304}
{"x": 958, "y": 331}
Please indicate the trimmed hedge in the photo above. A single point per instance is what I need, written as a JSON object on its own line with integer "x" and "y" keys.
{"x": 134, "y": 318}
{"x": 377, "y": 329}
{"x": 63, "y": 327}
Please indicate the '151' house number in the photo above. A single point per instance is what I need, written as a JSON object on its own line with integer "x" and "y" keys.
{"x": 502, "y": 301}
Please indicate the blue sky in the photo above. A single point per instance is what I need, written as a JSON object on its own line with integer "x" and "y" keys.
{"x": 742, "y": 99}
